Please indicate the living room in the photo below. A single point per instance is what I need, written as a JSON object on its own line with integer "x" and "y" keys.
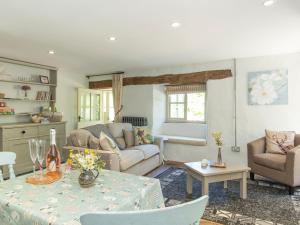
{"x": 211, "y": 84}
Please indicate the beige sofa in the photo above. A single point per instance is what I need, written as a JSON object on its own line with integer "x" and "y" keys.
{"x": 138, "y": 160}
{"x": 282, "y": 168}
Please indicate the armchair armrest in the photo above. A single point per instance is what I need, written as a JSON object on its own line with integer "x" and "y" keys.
{"x": 159, "y": 141}
{"x": 111, "y": 159}
{"x": 255, "y": 147}
{"x": 293, "y": 165}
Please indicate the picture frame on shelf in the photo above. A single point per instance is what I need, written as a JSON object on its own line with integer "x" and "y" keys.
{"x": 44, "y": 79}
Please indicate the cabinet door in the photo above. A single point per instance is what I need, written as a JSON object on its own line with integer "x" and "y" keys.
{"x": 23, "y": 160}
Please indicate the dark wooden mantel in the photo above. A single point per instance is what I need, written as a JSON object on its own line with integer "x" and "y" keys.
{"x": 170, "y": 79}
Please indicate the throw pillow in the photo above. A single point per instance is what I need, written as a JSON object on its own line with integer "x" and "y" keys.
{"x": 94, "y": 143}
{"x": 79, "y": 138}
{"x": 121, "y": 143}
{"x": 279, "y": 142}
{"x": 98, "y": 128}
{"x": 142, "y": 136}
{"x": 108, "y": 144}
{"x": 129, "y": 138}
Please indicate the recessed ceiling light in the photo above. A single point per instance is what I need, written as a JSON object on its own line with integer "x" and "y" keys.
{"x": 112, "y": 38}
{"x": 269, "y": 2}
{"x": 51, "y": 52}
{"x": 176, "y": 24}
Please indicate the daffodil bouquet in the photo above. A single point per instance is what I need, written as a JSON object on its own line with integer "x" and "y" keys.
{"x": 86, "y": 160}
{"x": 218, "y": 138}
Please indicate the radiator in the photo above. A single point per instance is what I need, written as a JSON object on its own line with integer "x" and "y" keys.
{"x": 135, "y": 121}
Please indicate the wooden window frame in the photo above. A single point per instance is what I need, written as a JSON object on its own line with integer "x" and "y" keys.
{"x": 183, "y": 120}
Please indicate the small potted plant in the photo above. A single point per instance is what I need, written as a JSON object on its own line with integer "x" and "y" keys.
{"x": 26, "y": 88}
{"x": 89, "y": 164}
{"x": 219, "y": 142}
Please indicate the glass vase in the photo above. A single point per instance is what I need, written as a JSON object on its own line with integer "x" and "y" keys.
{"x": 219, "y": 160}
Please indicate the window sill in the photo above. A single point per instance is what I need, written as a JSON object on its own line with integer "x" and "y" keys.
{"x": 184, "y": 140}
{"x": 176, "y": 121}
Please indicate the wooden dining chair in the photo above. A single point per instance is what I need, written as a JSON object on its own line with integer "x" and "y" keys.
{"x": 184, "y": 214}
{"x": 7, "y": 159}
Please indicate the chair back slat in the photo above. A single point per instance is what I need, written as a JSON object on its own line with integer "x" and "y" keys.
{"x": 185, "y": 214}
{"x": 7, "y": 159}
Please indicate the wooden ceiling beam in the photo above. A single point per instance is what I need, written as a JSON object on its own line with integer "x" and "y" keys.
{"x": 171, "y": 79}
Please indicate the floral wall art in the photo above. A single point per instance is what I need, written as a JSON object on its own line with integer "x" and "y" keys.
{"x": 268, "y": 87}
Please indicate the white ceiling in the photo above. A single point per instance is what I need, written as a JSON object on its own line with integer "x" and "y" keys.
{"x": 78, "y": 30}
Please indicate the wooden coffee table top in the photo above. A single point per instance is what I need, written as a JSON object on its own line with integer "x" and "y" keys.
{"x": 211, "y": 171}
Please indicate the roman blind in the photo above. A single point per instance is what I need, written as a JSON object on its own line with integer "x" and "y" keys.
{"x": 193, "y": 88}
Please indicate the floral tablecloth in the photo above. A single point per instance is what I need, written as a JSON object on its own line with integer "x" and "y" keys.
{"x": 62, "y": 202}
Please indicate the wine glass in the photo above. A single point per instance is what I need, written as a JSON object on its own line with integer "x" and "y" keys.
{"x": 33, "y": 152}
{"x": 41, "y": 155}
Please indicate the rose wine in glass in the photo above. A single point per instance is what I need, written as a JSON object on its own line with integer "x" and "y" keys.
{"x": 53, "y": 158}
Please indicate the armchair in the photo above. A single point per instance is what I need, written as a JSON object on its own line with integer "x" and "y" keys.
{"x": 282, "y": 168}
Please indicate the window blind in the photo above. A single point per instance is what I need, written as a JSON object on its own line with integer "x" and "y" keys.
{"x": 186, "y": 88}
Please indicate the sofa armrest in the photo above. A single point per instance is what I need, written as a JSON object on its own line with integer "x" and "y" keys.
{"x": 255, "y": 147}
{"x": 293, "y": 165}
{"x": 159, "y": 141}
{"x": 111, "y": 159}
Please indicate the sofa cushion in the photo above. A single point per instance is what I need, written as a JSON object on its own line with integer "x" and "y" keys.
{"x": 116, "y": 129}
{"x": 129, "y": 138}
{"x": 279, "y": 142}
{"x": 121, "y": 142}
{"x": 94, "y": 143}
{"x": 108, "y": 144}
{"x": 129, "y": 158}
{"x": 79, "y": 138}
{"x": 270, "y": 160}
{"x": 148, "y": 150}
{"x": 143, "y": 135}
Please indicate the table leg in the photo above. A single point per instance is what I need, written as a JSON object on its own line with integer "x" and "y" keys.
{"x": 205, "y": 188}
{"x": 243, "y": 186}
{"x": 189, "y": 184}
{"x": 225, "y": 184}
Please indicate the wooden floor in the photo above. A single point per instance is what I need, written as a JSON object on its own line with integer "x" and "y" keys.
{"x": 206, "y": 222}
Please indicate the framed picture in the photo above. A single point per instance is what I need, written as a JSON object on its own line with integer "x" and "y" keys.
{"x": 268, "y": 87}
{"x": 44, "y": 79}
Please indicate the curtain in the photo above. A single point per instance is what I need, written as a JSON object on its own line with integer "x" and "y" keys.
{"x": 186, "y": 88}
{"x": 117, "y": 89}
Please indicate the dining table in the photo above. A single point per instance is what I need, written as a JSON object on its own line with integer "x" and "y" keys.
{"x": 62, "y": 202}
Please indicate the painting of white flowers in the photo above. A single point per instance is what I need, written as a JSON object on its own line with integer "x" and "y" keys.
{"x": 268, "y": 87}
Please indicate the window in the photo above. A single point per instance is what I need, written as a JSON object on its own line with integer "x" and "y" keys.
{"x": 95, "y": 105}
{"x": 186, "y": 103}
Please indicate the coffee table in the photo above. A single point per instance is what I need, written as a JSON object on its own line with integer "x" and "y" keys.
{"x": 212, "y": 174}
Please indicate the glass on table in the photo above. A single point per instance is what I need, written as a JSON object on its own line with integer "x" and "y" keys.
{"x": 33, "y": 153}
{"x": 41, "y": 155}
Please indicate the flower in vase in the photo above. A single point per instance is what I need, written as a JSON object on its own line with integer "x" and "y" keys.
{"x": 218, "y": 138}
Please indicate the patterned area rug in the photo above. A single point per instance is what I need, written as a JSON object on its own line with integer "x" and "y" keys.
{"x": 267, "y": 203}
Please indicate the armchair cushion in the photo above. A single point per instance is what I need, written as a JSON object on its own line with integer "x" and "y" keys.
{"x": 279, "y": 142}
{"x": 129, "y": 158}
{"x": 270, "y": 160}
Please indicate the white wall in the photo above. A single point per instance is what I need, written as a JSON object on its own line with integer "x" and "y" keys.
{"x": 67, "y": 85}
{"x": 251, "y": 120}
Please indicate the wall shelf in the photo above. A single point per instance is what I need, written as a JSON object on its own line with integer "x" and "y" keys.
{"x": 52, "y": 77}
{"x": 18, "y": 114}
{"x": 26, "y": 82}
{"x": 22, "y": 99}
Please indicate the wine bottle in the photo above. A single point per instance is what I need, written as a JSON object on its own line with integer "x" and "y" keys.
{"x": 53, "y": 159}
